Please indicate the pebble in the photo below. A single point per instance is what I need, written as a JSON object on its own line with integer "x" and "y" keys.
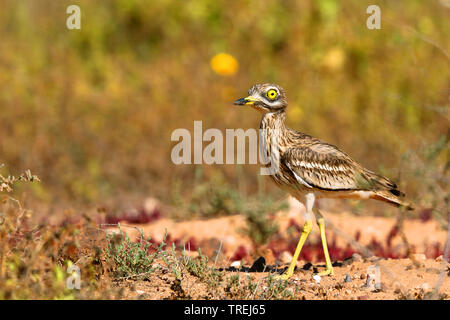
{"x": 317, "y": 278}
{"x": 286, "y": 257}
{"x": 419, "y": 256}
{"x": 235, "y": 264}
{"x": 357, "y": 257}
{"x": 374, "y": 259}
{"x": 338, "y": 286}
{"x": 348, "y": 278}
{"x": 307, "y": 266}
{"x": 259, "y": 265}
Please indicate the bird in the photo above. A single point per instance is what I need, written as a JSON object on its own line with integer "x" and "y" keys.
{"x": 310, "y": 169}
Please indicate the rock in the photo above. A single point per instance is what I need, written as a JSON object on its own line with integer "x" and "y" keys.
{"x": 338, "y": 286}
{"x": 363, "y": 298}
{"x": 348, "y": 278}
{"x": 235, "y": 264}
{"x": 357, "y": 257}
{"x": 354, "y": 258}
{"x": 259, "y": 265}
{"x": 317, "y": 278}
{"x": 285, "y": 257}
{"x": 418, "y": 257}
{"x": 307, "y": 266}
{"x": 347, "y": 261}
{"x": 373, "y": 259}
{"x": 440, "y": 258}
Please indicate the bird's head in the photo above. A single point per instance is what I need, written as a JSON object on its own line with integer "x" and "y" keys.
{"x": 265, "y": 97}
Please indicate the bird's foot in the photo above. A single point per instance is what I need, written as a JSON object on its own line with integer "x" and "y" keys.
{"x": 284, "y": 276}
{"x": 327, "y": 272}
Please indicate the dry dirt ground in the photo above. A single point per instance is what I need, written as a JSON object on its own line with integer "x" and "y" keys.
{"x": 399, "y": 279}
{"x": 420, "y": 275}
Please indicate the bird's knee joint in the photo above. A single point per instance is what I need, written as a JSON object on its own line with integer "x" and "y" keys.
{"x": 307, "y": 227}
{"x": 321, "y": 222}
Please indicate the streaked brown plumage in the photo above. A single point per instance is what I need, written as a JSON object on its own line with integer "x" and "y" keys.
{"x": 309, "y": 168}
{"x": 309, "y": 164}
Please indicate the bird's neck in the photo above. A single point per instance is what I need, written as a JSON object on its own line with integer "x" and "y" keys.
{"x": 273, "y": 132}
{"x": 274, "y": 120}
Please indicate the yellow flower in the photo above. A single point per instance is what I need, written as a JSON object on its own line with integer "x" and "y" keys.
{"x": 224, "y": 64}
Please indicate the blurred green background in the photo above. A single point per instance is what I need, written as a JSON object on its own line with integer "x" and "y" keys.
{"x": 91, "y": 111}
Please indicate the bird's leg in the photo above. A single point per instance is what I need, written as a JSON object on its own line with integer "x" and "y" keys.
{"x": 321, "y": 223}
{"x": 305, "y": 232}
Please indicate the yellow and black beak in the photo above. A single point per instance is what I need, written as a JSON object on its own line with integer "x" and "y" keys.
{"x": 250, "y": 100}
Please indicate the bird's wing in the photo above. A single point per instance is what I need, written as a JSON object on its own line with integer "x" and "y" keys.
{"x": 324, "y": 166}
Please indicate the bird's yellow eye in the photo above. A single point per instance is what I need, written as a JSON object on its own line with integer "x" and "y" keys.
{"x": 272, "y": 94}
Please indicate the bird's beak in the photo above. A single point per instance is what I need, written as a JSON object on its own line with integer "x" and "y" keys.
{"x": 250, "y": 100}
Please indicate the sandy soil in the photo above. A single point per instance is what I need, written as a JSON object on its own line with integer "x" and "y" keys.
{"x": 398, "y": 279}
{"x": 414, "y": 277}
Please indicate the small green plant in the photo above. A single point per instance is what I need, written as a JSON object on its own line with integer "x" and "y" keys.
{"x": 133, "y": 259}
{"x": 233, "y": 287}
{"x": 250, "y": 288}
{"x": 277, "y": 289}
{"x": 260, "y": 227}
{"x": 212, "y": 200}
{"x": 199, "y": 267}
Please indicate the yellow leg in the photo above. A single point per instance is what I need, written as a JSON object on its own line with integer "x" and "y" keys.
{"x": 305, "y": 232}
{"x": 329, "y": 266}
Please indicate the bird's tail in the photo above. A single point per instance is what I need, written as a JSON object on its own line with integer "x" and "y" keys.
{"x": 385, "y": 190}
{"x": 393, "y": 197}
